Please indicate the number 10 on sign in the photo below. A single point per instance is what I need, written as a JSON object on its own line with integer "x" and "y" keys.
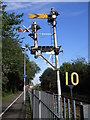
{"x": 72, "y": 78}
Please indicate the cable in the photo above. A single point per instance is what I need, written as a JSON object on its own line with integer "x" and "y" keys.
{"x": 57, "y": 37}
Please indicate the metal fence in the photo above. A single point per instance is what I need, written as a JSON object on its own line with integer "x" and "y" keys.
{"x": 45, "y": 105}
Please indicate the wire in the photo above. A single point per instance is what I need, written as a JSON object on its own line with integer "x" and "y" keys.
{"x": 57, "y": 36}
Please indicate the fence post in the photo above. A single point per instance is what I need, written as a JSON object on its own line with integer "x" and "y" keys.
{"x": 31, "y": 103}
{"x": 81, "y": 111}
{"x": 64, "y": 108}
{"x": 34, "y": 104}
{"x": 39, "y": 104}
{"x": 69, "y": 109}
{"x": 86, "y": 111}
{"x": 74, "y": 109}
{"x": 61, "y": 116}
{"x": 55, "y": 104}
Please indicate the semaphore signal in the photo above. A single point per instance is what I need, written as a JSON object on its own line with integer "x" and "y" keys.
{"x": 25, "y": 29}
{"x": 38, "y": 50}
{"x": 39, "y": 16}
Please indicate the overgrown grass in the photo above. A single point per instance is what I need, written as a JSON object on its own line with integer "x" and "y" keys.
{"x": 77, "y": 112}
{"x": 80, "y": 97}
{"x": 7, "y": 96}
{"x": 28, "y": 106}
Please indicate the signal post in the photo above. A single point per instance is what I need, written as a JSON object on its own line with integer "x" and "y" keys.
{"x": 52, "y": 20}
{"x": 53, "y": 17}
{"x": 37, "y": 50}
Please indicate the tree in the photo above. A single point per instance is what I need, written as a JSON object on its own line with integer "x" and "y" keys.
{"x": 12, "y": 57}
{"x": 80, "y": 66}
{"x": 11, "y": 52}
{"x": 48, "y": 80}
{"x": 10, "y": 23}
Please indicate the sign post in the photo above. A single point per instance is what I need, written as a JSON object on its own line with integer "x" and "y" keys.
{"x": 71, "y": 87}
{"x": 24, "y": 75}
{"x": 72, "y": 105}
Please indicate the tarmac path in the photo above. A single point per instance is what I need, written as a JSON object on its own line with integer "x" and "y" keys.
{"x": 17, "y": 109}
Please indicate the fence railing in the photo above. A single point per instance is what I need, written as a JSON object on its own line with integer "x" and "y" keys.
{"x": 45, "y": 105}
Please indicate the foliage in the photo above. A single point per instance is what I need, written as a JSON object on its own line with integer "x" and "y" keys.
{"x": 80, "y": 66}
{"x": 48, "y": 80}
{"x": 10, "y": 24}
{"x": 12, "y": 57}
{"x": 28, "y": 106}
{"x": 7, "y": 96}
{"x": 37, "y": 87}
